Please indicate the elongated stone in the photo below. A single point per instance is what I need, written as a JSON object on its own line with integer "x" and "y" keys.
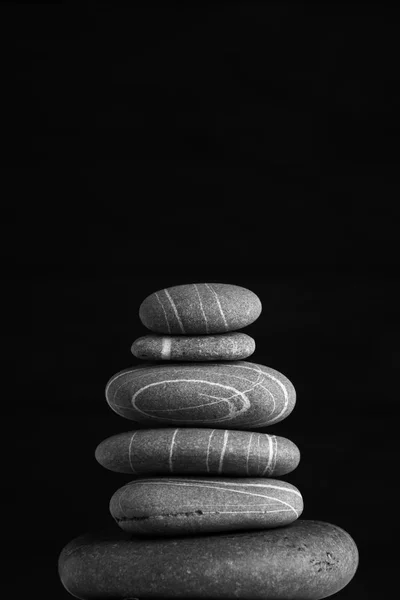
{"x": 224, "y": 346}
{"x": 200, "y": 308}
{"x": 190, "y": 505}
{"x": 304, "y": 560}
{"x": 234, "y": 395}
{"x": 198, "y": 451}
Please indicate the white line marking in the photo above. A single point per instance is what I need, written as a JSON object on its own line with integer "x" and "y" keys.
{"x": 219, "y": 305}
{"x": 270, "y": 455}
{"x": 175, "y": 310}
{"x": 189, "y": 482}
{"x": 208, "y": 451}
{"x": 221, "y": 460}
{"x": 231, "y": 489}
{"x": 201, "y": 307}
{"x": 166, "y": 348}
{"x": 171, "y": 449}
{"x": 276, "y": 380}
{"x": 248, "y": 454}
{"x": 129, "y": 452}
{"x": 164, "y": 311}
{"x": 275, "y": 452}
{"x": 233, "y": 411}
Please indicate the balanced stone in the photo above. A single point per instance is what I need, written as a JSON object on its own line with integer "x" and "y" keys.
{"x": 234, "y": 395}
{"x": 223, "y": 346}
{"x": 190, "y": 505}
{"x": 307, "y": 559}
{"x": 198, "y": 451}
{"x": 200, "y": 308}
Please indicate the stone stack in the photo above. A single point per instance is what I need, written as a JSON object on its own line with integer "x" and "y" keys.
{"x": 204, "y": 517}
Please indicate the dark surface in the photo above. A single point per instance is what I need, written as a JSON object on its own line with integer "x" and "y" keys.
{"x": 249, "y": 144}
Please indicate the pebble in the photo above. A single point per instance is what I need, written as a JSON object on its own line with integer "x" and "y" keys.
{"x": 200, "y": 308}
{"x": 190, "y": 505}
{"x": 203, "y": 451}
{"x": 234, "y": 395}
{"x": 224, "y": 346}
{"x": 307, "y": 559}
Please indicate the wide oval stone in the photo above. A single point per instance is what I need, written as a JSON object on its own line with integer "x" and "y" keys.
{"x": 224, "y": 346}
{"x": 200, "y": 308}
{"x": 190, "y": 505}
{"x": 234, "y": 395}
{"x": 198, "y": 451}
{"x": 304, "y": 560}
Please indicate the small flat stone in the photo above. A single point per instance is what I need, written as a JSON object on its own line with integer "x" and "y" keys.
{"x": 305, "y": 560}
{"x": 200, "y": 308}
{"x": 234, "y": 395}
{"x": 191, "y": 451}
{"x": 190, "y": 505}
{"x": 223, "y": 346}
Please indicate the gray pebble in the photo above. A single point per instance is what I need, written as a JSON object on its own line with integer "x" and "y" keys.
{"x": 224, "y": 346}
{"x": 229, "y": 395}
{"x": 187, "y": 451}
{"x": 307, "y": 559}
{"x": 190, "y": 505}
{"x": 200, "y": 308}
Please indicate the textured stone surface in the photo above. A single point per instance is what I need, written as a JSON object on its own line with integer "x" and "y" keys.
{"x": 190, "y": 505}
{"x": 200, "y": 308}
{"x": 305, "y": 560}
{"x": 234, "y": 395}
{"x": 198, "y": 451}
{"x": 223, "y": 346}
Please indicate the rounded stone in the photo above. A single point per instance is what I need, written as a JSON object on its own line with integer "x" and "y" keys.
{"x": 234, "y": 395}
{"x": 304, "y": 560}
{"x": 223, "y": 346}
{"x": 189, "y": 505}
{"x": 200, "y": 308}
{"x": 187, "y": 451}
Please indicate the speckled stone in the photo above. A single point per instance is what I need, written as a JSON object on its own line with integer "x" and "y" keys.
{"x": 234, "y": 395}
{"x": 190, "y": 505}
{"x": 194, "y": 451}
{"x": 223, "y": 346}
{"x": 305, "y": 560}
{"x": 200, "y": 308}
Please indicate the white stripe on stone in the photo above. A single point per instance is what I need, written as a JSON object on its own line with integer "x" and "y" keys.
{"x": 201, "y": 307}
{"x": 208, "y": 451}
{"x": 164, "y": 311}
{"x": 221, "y": 460}
{"x": 166, "y": 348}
{"x": 248, "y": 454}
{"x": 175, "y": 310}
{"x": 130, "y": 452}
{"x": 268, "y": 469}
{"x": 171, "y": 450}
{"x": 219, "y": 305}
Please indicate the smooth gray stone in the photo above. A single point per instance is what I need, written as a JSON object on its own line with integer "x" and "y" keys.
{"x": 229, "y": 395}
{"x": 200, "y": 308}
{"x": 202, "y": 451}
{"x": 222, "y": 346}
{"x": 305, "y": 560}
{"x": 171, "y": 506}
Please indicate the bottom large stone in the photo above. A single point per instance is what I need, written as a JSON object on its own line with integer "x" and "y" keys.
{"x": 304, "y": 560}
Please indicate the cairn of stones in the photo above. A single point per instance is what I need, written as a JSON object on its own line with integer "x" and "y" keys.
{"x": 204, "y": 515}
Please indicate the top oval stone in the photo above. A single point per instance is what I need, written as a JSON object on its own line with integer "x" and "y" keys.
{"x": 200, "y": 308}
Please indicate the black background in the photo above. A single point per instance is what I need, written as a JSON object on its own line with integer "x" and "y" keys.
{"x": 237, "y": 142}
